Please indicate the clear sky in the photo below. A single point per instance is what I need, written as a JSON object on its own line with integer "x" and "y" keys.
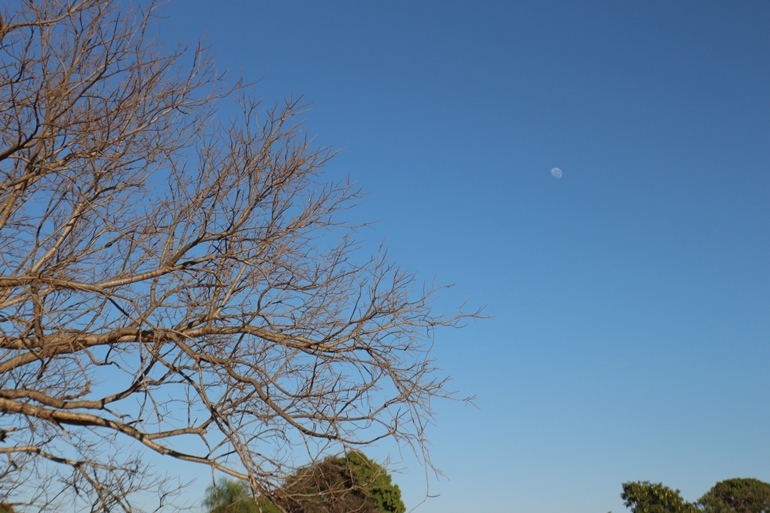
{"x": 629, "y": 336}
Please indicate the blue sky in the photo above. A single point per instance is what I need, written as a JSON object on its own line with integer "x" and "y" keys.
{"x": 629, "y": 336}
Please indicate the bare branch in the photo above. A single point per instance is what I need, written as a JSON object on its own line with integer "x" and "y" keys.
{"x": 175, "y": 284}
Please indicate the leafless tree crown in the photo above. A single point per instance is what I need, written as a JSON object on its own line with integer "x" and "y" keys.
{"x": 174, "y": 283}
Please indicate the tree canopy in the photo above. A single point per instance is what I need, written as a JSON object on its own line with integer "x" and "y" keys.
{"x": 233, "y": 496}
{"x": 351, "y": 483}
{"x": 178, "y": 282}
{"x": 737, "y": 495}
{"x": 646, "y": 497}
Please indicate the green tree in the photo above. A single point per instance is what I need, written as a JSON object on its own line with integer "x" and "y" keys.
{"x": 350, "y": 483}
{"x": 646, "y": 497}
{"x": 337, "y": 484}
{"x": 737, "y": 495}
{"x": 233, "y": 496}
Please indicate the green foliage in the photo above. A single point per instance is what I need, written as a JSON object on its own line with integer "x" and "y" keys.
{"x": 231, "y": 496}
{"x": 352, "y": 483}
{"x": 5, "y": 508}
{"x": 738, "y": 495}
{"x": 646, "y": 497}
{"x": 338, "y": 484}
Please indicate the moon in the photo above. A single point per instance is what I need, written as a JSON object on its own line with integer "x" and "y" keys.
{"x": 556, "y": 173}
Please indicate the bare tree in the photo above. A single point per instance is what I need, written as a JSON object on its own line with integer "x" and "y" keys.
{"x": 177, "y": 284}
